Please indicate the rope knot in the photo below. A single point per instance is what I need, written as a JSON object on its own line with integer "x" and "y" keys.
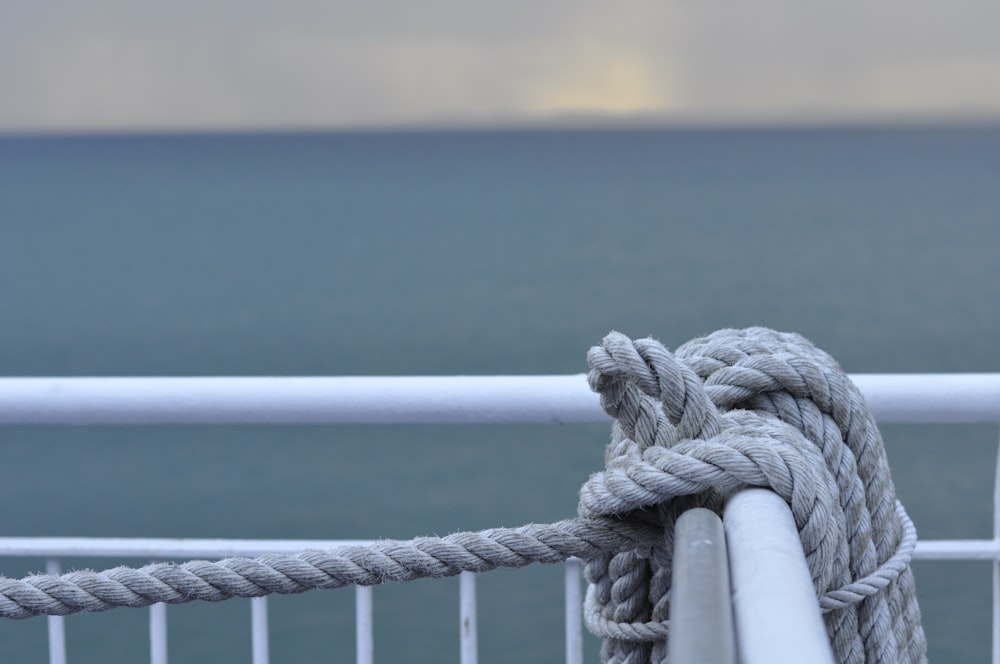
{"x": 744, "y": 408}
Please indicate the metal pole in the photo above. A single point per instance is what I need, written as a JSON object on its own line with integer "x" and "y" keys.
{"x": 56, "y": 625}
{"x": 258, "y": 630}
{"x": 777, "y": 615}
{"x": 701, "y": 617}
{"x": 158, "y": 633}
{"x": 364, "y": 625}
{"x": 996, "y": 562}
{"x": 468, "y": 634}
{"x": 419, "y": 399}
{"x": 574, "y": 613}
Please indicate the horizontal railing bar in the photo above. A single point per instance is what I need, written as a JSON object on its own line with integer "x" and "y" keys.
{"x": 160, "y": 548}
{"x": 127, "y": 547}
{"x": 928, "y": 398}
{"x": 302, "y": 400}
{"x": 419, "y": 399}
{"x": 957, "y": 550}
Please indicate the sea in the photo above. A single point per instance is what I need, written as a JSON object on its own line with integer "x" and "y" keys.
{"x": 463, "y": 252}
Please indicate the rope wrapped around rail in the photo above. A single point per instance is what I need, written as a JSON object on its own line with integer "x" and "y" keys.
{"x": 734, "y": 409}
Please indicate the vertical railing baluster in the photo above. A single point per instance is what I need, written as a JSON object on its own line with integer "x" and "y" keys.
{"x": 258, "y": 630}
{"x": 364, "y": 624}
{"x": 996, "y": 563}
{"x": 57, "y": 627}
{"x": 574, "y": 613}
{"x": 469, "y": 636}
{"x": 158, "y": 633}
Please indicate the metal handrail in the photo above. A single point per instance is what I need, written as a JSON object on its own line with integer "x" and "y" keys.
{"x": 777, "y": 616}
{"x": 940, "y": 398}
{"x": 701, "y": 613}
{"x": 419, "y": 399}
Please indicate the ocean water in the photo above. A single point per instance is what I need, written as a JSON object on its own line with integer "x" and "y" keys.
{"x": 474, "y": 253}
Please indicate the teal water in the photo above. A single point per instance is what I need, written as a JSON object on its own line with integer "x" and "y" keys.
{"x": 476, "y": 253}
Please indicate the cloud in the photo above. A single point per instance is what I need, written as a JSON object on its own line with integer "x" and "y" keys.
{"x": 949, "y": 86}
{"x": 600, "y": 78}
{"x": 785, "y": 59}
{"x": 305, "y": 63}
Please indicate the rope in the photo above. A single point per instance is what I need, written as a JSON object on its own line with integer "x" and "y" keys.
{"x": 423, "y": 557}
{"x": 749, "y": 407}
{"x": 737, "y": 408}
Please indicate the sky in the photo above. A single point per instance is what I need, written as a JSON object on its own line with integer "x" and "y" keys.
{"x": 109, "y": 65}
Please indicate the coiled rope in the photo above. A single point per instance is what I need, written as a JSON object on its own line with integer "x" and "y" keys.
{"x": 737, "y": 408}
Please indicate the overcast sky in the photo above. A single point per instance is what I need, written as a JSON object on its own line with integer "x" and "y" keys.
{"x": 245, "y": 64}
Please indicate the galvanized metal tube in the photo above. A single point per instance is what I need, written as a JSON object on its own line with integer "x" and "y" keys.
{"x": 159, "y": 548}
{"x": 468, "y": 630}
{"x": 364, "y": 625}
{"x": 419, "y": 399}
{"x": 166, "y": 547}
{"x": 56, "y": 624}
{"x": 260, "y": 650}
{"x": 300, "y": 400}
{"x": 996, "y": 563}
{"x": 701, "y": 616}
{"x": 777, "y": 615}
{"x": 574, "y": 614}
{"x": 158, "y": 633}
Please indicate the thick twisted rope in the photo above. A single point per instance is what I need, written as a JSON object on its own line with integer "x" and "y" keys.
{"x": 423, "y": 557}
{"x": 760, "y": 408}
{"x": 735, "y": 409}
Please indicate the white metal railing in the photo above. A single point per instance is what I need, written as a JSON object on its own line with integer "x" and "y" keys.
{"x": 774, "y": 603}
{"x": 702, "y": 625}
{"x": 419, "y": 399}
{"x": 941, "y": 398}
{"x": 55, "y": 548}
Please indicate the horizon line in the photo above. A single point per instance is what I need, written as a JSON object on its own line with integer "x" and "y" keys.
{"x": 568, "y": 123}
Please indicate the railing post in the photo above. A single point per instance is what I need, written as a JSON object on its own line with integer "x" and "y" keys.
{"x": 996, "y": 562}
{"x": 363, "y": 625}
{"x": 57, "y": 628}
{"x": 258, "y": 630}
{"x": 701, "y": 614}
{"x": 468, "y": 635}
{"x": 574, "y": 613}
{"x": 158, "y": 633}
{"x": 777, "y": 616}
